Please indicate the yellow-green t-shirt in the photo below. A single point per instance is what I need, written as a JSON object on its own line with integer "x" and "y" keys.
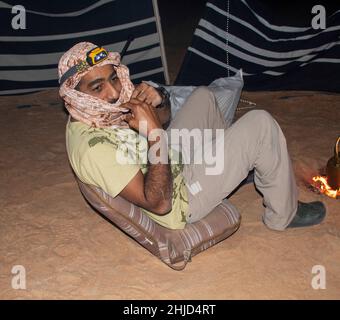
{"x": 109, "y": 158}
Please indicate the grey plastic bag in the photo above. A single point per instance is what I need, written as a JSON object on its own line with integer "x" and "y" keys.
{"x": 227, "y": 92}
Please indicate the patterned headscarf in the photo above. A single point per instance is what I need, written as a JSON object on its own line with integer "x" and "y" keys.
{"x": 84, "y": 107}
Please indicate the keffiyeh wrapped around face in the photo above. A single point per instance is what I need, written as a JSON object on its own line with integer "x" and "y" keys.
{"x": 84, "y": 107}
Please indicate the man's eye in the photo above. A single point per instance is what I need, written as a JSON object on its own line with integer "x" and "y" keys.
{"x": 97, "y": 88}
{"x": 114, "y": 77}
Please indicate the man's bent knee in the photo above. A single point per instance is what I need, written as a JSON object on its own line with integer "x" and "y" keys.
{"x": 260, "y": 115}
{"x": 204, "y": 94}
{"x": 262, "y": 118}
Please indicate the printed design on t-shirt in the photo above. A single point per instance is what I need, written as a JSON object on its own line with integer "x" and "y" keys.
{"x": 100, "y": 136}
{"x": 177, "y": 165}
{"x": 129, "y": 143}
{"x": 101, "y": 139}
{"x": 177, "y": 192}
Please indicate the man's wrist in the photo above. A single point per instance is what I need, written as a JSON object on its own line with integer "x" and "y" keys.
{"x": 165, "y": 97}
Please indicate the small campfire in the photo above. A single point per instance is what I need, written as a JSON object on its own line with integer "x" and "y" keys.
{"x": 321, "y": 185}
{"x": 329, "y": 184}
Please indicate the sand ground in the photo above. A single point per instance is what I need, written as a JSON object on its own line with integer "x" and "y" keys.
{"x": 69, "y": 251}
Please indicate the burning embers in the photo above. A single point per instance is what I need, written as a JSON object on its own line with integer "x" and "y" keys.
{"x": 330, "y": 184}
{"x": 320, "y": 183}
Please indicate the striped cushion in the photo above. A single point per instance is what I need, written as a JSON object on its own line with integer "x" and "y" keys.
{"x": 173, "y": 247}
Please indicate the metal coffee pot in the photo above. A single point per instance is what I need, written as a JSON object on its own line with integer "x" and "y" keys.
{"x": 333, "y": 168}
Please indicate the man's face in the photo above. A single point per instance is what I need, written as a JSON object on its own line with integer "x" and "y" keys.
{"x": 101, "y": 82}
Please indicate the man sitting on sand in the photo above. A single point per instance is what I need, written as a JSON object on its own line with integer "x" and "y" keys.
{"x": 114, "y": 125}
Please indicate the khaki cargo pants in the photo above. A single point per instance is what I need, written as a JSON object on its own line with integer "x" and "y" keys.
{"x": 255, "y": 141}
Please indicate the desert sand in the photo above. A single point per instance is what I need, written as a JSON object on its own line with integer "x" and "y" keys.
{"x": 71, "y": 252}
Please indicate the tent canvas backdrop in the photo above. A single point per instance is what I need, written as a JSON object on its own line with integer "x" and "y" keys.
{"x": 29, "y": 57}
{"x": 273, "y": 42}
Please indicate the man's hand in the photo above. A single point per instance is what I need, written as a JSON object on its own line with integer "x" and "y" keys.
{"x": 148, "y": 94}
{"x": 141, "y": 111}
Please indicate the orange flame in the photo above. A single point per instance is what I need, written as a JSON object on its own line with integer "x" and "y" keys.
{"x": 325, "y": 188}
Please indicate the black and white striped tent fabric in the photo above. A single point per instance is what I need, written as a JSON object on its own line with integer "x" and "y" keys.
{"x": 29, "y": 57}
{"x": 274, "y": 52}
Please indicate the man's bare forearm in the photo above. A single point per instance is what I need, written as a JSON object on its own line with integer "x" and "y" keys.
{"x": 158, "y": 187}
{"x": 158, "y": 181}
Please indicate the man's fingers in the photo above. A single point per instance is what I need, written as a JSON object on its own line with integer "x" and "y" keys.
{"x": 134, "y": 94}
{"x": 136, "y": 102}
{"x": 139, "y": 89}
{"x": 127, "y": 117}
{"x": 131, "y": 104}
{"x": 148, "y": 101}
{"x": 142, "y": 97}
{"x": 131, "y": 120}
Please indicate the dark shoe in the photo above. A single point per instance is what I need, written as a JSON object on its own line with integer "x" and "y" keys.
{"x": 308, "y": 214}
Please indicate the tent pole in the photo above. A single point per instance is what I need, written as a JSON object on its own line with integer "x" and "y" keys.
{"x": 161, "y": 41}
